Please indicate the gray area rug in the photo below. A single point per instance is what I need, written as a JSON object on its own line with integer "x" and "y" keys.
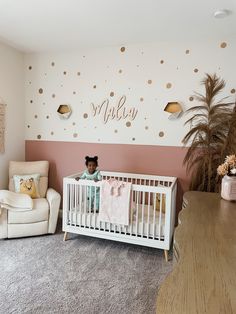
{"x": 82, "y": 275}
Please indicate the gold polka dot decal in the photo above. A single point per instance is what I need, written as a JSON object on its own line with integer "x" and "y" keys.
{"x": 64, "y": 72}
{"x": 149, "y": 81}
{"x": 168, "y": 85}
{"x": 35, "y": 116}
{"x": 232, "y": 91}
{"x": 122, "y": 49}
{"x": 195, "y": 70}
{"x": 47, "y": 117}
{"x": 223, "y": 45}
{"x": 74, "y": 92}
{"x": 85, "y": 115}
{"x": 28, "y": 126}
{"x": 141, "y": 99}
{"x": 116, "y": 131}
{"x": 133, "y": 139}
{"x": 73, "y": 123}
{"x": 39, "y": 137}
{"x": 94, "y": 86}
{"x": 120, "y": 71}
{"x": 53, "y": 95}
{"x": 191, "y": 98}
{"x": 128, "y": 124}
{"x": 53, "y": 64}
{"x": 187, "y": 51}
{"x": 161, "y": 134}
{"x": 112, "y": 94}
{"x": 52, "y": 133}
{"x": 30, "y": 67}
{"x": 31, "y": 101}
{"x": 40, "y": 91}
{"x": 162, "y": 61}
{"x": 75, "y": 135}
{"x": 78, "y": 73}
{"x": 146, "y": 127}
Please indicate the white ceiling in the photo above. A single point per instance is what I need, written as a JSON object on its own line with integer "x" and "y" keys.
{"x": 57, "y": 25}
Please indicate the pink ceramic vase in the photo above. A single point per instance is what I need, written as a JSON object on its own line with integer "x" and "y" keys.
{"x": 228, "y": 188}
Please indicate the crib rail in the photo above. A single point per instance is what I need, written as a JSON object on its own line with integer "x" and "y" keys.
{"x": 152, "y": 211}
{"x": 139, "y": 179}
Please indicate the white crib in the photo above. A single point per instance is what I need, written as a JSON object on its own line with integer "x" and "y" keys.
{"x": 152, "y": 211}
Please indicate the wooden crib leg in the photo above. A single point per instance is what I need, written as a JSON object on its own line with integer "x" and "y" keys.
{"x": 65, "y": 236}
{"x": 166, "y": 255}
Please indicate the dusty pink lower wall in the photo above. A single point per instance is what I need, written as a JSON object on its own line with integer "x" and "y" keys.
{"x": 68, "y": 157}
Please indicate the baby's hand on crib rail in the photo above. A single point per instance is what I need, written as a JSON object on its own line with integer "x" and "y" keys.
{"x": 77, "y": 178}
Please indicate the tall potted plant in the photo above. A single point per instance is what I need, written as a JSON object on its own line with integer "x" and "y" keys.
{"x": 208, "y": 137}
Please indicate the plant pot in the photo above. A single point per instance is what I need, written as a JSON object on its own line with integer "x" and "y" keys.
{"x": 228, "y": 188}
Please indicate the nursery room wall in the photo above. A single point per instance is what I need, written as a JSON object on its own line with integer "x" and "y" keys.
{"x": 117, "y": 97}
{"x": 12, "y": 95}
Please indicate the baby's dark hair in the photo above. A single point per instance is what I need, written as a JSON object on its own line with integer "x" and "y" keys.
{"x": 93, "y": 159}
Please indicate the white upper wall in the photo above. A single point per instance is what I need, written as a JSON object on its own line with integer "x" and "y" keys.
{"x": 12, "y": 94}
{"x": 149, "y": 75}
{"x": 59, "y": 25}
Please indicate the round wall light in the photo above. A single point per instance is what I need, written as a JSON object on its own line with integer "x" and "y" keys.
{"x": 220, "y": 14}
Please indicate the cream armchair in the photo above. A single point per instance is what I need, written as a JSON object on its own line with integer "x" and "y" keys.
{"x": 43, "y": 217}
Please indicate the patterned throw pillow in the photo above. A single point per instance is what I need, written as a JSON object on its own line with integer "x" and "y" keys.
{"x": 27, "y": 184}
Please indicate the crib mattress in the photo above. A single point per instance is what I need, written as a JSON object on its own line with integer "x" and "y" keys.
{"x": 138, "y": 226}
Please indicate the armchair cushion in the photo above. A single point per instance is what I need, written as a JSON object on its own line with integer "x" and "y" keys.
{"x": 40, "y": 212}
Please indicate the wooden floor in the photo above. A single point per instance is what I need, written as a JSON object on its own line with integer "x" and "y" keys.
{"x": 204, "y": 277}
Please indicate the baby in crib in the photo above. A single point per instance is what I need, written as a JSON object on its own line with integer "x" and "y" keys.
{"x": 92, "y": 173}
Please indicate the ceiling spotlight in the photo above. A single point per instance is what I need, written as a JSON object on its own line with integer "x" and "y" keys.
{"x": 220, "y": 14}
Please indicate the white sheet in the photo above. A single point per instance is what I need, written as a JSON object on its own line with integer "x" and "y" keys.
{"x": 138, "y": 226}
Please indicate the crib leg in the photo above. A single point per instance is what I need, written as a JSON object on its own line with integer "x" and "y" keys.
{"x": 65, "y": 236}
{"x": 166, "y": 255}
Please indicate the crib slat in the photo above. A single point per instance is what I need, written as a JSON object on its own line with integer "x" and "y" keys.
{"x": 70, "y": 207}
{"x": 66, "y": 209}
{"x": 148, "y": 219}
{"x": 154, "y": 214}
{"x": 132, "y": 211}
{"x": 90, "y": 205}
{"x": 75, "y": 204}
{"x": 160, "y": 216}
{"x": 80, "y": 203}
{"x": 95, "y": 209}
{"x": 143, "y": 203}
{"x": 137, "y": 205}
{"x": 85, "y": 204}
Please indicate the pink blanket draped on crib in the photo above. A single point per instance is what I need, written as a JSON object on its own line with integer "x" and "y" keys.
{"x": 115, "y": 202}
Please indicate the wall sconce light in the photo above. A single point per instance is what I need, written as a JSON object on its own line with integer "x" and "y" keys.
{"x": 64, "y": 111}
{"x": 175, "y": 109}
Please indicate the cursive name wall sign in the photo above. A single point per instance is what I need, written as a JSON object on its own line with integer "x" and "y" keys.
{"x": 116, "y": 112}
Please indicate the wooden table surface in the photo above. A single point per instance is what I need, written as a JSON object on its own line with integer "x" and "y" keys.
{"x": 204, "y": 276}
